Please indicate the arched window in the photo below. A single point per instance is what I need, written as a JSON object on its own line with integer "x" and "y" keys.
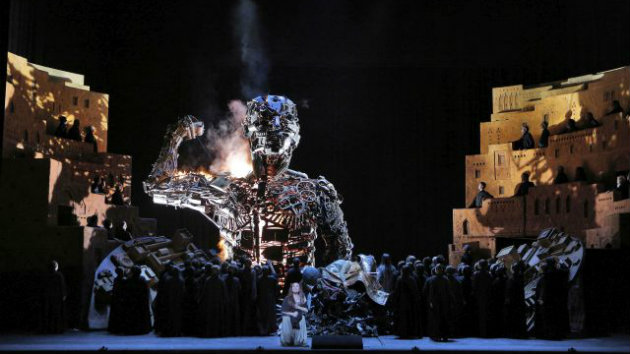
{"x": 586, "y": 208}
{"x": 536, "y": 207}
{"x": 547, "y": 202}
{"x": 568, "y": 204}
{"x": 558, "y": 206}
{"x": 465, "y": 227}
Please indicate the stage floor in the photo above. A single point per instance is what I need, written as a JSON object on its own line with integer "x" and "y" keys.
{"x": 101, "y": 340}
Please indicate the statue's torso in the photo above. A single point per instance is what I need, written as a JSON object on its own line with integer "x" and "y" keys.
{"x": 276, "y": 219}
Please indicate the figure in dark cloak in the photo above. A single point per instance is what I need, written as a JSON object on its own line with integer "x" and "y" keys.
{"x": 543, "y": 319}
{"x": 580, "y": 175}
{"x": 117, "y": 196}
{"x": 62, "y": 128}
{"x": 75, "y": 131}
{"x": 266, "y": 298}
{"x": 523, "y": 187}
{"x": 543, "y": 141}
{"x": 467, "y": 257}
{"x": 406, "y": 303}
{"x": 561, "y": 177}
{"x": 190, "y": 306}
{"x": 53, "y": 295}
{"x": 497, "y": 302}
{"x": 621, "y": 190}
{"x": 481, "y": 196}
{"x": 590, "y": 121}
{"x": 457, "y": 303}
{"x": 438, "y": 295}
{"x": 233, "y": 306}
{"x": 90, "y": 138}
{"x": 212, "y": 304}
{"x": 247, "y": 277}
{"x": 526, "y": 141}
{"x": 468, "y": 321}
{"x": 117, "y": 307}
{"x": 123, "y": 233}
{"x": 168, "y": 303}
{"x": 294, "y": 275}
{"x": 427, "y": 266}
{"x": 515, "y": 303}
{"x": 481, "y": 283}
{"x": 419, "y": 274}
{"x": 386, "y": 273}
{"x": 616, "y": 108}
{"x": 138, "y": 313}
{"x": 569, "y": 124}
{"x": 562, "y": 298}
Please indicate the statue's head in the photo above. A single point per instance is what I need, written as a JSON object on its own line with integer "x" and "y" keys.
{"x": 273, "y": 130}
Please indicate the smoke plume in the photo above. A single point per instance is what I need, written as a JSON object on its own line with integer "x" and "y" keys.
{"x": 255, "y": 66}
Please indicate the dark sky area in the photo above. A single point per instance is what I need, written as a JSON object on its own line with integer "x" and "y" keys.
{"x": 395, "y": 89}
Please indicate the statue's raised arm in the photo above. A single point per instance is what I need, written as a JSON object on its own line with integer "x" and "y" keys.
{"x": 205, "y": 193}
{"x": 165, "y": 167}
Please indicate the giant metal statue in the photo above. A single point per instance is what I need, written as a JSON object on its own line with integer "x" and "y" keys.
{"x": 273, "y": 213}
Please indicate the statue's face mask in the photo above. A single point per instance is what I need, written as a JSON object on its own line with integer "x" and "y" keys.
{"x": 273, "y": 131}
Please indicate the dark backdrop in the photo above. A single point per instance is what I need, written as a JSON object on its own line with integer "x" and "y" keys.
{"x": 395, "y": 89}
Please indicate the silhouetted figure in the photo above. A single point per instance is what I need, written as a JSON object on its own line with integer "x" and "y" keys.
{"x": 137, "y": 314}
{"x": 590, "y": 121}
{"x": 90, "y": 138}
{"x": 75, "y": 131}
{"x": 426, "y": 261}
{"x": 53, "y": 297}
{"x": 123, "y": 233}
{"x": 497, "y": 302}
{"x": 621, "y": 189}
{"x": 406, "y": 303}
{"x": 457, "y": 303}
{"x": 515, "y": 303}
{"x": 117, "y": 310}
{"x": 168, "y": 303}
{"x": 481, "y": 196}
{"x": 467, "y": 257}
{"x": 247, "y": 276}
{"x": 190, "y": 305}
{"x": 294, "y": 275}
{"x": 569, "y": 124}
{"x": 233, "y": 306}
{"x": 97, "y": 185}
{"x": 111, "y": 180}
{"x": 267, "y": 287}
{"x": 438, "y": 295}
{"x": 543, "y": 141}
{"x": 62, "y": 128}
{"x": 616, "y": 108}
{"x": 481, "y": 283}
{"x": 420, "y": 277}
{"x": 468, "y": 322}
{"x": 386, "y": 273}
{"x": 523, "y": 187}
{"x": 551, "y": 314}
{"x": 580, "y": 175}
{"x": 117, "y": 196}
{"x": 561, "y": 177}
{"x": 212, "y": 304}
{"x": 526, "y": 141}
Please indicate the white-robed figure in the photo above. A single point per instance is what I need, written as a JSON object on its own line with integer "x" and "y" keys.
{"x": 293, "y": 326}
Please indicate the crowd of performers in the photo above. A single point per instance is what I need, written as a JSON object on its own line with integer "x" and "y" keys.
{"x": 430, "y": 298}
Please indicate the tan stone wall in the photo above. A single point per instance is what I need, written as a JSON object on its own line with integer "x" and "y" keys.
{"x": 37, "y": 96}
{"x": 594, "y": 94}
{"x": 600, "y": 151}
